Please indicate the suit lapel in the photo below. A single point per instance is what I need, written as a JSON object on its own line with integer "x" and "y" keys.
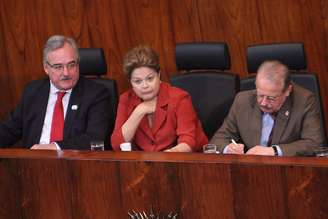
{"x": 281, "y": 121}
{"x": 161, "y": 107}
{"x": 144, "y": 127}
{"x": 73, "y": 107}
{"x": 40, "y": 108}
{"x": 160, "y": 116}
{"x": 256, "y": 124}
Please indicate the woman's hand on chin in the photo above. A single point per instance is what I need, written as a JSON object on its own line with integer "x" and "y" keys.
{"x": 148, "y": 107}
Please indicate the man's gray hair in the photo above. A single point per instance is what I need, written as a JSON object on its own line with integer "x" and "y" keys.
{"x": 275, "y": 71}
{"x": 56, "y": 42}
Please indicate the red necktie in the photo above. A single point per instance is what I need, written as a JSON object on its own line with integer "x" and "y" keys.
{"x": 57, "y": 124}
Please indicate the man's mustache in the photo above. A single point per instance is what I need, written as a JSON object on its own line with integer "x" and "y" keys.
{"x": 65, "y": 78}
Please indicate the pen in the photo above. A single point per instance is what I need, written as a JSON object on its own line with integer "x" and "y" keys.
{"x": 234, "y": 142}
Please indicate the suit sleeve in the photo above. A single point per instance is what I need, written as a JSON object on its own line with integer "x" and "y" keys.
{"x": 96, "y": 118}
{"x": 310, "y": 130}
{"x": 229, "y": 128}
{"x": 187, "y": 123}
{"x": 11, "y": 128}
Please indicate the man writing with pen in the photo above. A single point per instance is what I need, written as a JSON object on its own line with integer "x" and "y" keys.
{"x": 277, "y": 118}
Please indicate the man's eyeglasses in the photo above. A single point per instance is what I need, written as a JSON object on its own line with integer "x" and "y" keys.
{"x": 60, "y": 67}
{"x": 271, "y": 99}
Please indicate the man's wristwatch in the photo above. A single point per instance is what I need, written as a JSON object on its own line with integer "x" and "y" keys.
{"x": 275, "y": 149}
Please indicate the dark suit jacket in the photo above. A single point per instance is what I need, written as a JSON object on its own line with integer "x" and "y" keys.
{"x": 90, "y": 121}
{"x": 297, "y": 125}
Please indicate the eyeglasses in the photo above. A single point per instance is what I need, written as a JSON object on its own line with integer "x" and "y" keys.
{"x": 271, "y": 99}
{"x": 60, "y": 67}
{"x": 149, "y": 79}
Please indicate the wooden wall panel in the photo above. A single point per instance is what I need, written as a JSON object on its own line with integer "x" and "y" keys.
{"x": 8, "y": 208}
{"x": 118, "y": 25}
{"x": 52, "y": 180}
{"x": 248, "y": 196}
{"x": 305, "y": 182}
{"x": 86, "y": 184}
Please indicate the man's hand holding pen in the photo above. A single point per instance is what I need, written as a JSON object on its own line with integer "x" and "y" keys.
{"x": 234, "y": 148}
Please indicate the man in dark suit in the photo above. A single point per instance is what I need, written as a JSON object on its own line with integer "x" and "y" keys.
{"x": 278, "y": 118}
{"x": 43, "y": 120}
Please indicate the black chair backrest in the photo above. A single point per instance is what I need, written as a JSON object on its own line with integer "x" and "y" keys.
{"x": 293, "y": 56}
{"x": 212, "y": 90}
{"x": 290, "y": 54}
{"x": 198, "y": 56}
{"x": 93, "y": 65}
{"x": 92, "y": 62}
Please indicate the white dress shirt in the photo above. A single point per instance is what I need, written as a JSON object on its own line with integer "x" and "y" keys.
{"x": 46, "y": 129}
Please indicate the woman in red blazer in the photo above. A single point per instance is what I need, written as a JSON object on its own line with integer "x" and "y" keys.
{"x": 154, "y": 116}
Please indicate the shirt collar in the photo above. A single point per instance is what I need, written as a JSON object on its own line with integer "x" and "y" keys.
{"x": 54, "y": 89}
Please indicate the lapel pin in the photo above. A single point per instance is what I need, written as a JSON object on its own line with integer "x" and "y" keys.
{"x": 287, "y": 113}
{"x": 74, "y": 107}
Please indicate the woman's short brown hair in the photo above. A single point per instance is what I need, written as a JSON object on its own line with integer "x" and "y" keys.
{"x": 140, "y": 56}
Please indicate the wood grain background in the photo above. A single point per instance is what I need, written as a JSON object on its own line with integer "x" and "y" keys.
{"x": 42, "y": 184}
{"x": 118, "y": 25}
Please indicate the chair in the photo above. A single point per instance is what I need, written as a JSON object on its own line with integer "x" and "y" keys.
{"x": 93, "y": 65}
{"x": 212, "y": 90}
{"x": 292, "y": 55}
